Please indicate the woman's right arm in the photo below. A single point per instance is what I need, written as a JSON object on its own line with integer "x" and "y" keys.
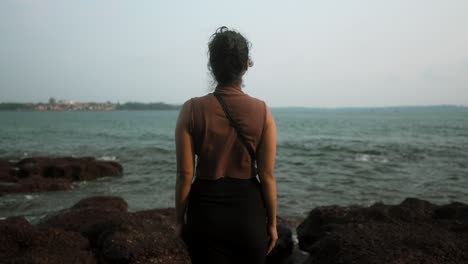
{"x": 266, "y": 156}
{"x": 185, "y": 164}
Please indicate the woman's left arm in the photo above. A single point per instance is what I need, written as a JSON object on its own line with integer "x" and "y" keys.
{"x": 185, "y": 164}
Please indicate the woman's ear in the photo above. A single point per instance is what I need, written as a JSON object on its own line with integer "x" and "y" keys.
{"x": 248, "y": 64}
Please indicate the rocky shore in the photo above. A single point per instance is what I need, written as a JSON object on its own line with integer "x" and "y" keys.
{"x": 100, "y": 229}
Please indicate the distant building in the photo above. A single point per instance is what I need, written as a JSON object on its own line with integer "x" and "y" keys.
{"x": 40, "y": 107}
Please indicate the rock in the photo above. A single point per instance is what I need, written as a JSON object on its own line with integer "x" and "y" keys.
{"x": 107, "y": 202}
{"x": 73, "y": 169}
{"x": 165, "y": 215}
{"x": 138, "y": 239}
{"x": 20, "y": 242}
{"x": 90, "y": 216}
{"x": 7, "y": 171}
{"x": 454, "y": 210}
{"x": 15, "y": 234}
{"x": 454, "y": 217}
{"x": 117, "y": 236}
{"x": 40, "y": 174}
{"x": 415, "y": 231}
{"x": 89, "y": 222}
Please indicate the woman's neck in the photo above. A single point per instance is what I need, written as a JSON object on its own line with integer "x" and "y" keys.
{"x": 236, "y": 85}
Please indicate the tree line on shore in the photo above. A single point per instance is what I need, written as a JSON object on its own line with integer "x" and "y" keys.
{"x": 146, "y": 106}
{"x": 85, "y": 106}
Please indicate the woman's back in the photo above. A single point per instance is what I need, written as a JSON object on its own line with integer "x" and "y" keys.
{"x": 220, "y": 152}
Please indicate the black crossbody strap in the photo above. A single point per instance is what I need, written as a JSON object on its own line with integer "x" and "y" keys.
{"x": 240, "y": 134}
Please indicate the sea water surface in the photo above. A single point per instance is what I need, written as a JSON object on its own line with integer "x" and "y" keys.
{"x": 324, "y": 157}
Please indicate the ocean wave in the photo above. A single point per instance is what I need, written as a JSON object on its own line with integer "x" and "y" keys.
{"x": 362, "y": 157}
{"x": 107, "y": 158}
{"x": 31, "y": 197}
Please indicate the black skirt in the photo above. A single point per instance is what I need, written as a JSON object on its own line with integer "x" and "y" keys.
{"x": 226, "y": 222}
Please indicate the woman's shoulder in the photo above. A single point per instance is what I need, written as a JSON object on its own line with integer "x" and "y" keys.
{"x": 257, "y": 102}
{"x": 252, "y": 98}
{"x": 200, "y": 99}
{"x": 197, "y": 103}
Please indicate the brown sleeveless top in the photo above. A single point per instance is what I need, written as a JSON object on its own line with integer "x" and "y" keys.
{"x": 220, "y": 152}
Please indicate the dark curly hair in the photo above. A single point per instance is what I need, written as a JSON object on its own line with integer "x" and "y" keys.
{"x": 228, "y": 56}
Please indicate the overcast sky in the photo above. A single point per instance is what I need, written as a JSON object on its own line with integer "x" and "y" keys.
{"x": 306, "y": 53}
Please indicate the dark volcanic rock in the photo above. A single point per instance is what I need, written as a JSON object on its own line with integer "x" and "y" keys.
{"x": 117, "y": 236}
{"x": 14, "y": 235}
{"x": 7, "y": 171}
{"x": 90, "y": 216}
{"x": 165, "y": 215}
{"x": 73, "y": 169}
{"x": 103, "y": 202}
{"x": 20, "y": 242}
{"x": 138, "y": 239}
{"x": 51, "y": 174}
{"x": 414, "y": 231}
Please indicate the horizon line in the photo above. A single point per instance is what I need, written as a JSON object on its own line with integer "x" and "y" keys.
{"x": 369, "y": 107}
{"x": 273, "y": 107}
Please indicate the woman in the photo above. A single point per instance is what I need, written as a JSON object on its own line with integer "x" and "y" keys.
{"x": 229, "y": 216}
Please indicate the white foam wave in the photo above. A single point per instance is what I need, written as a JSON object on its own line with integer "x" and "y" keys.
{"x": 107, "y": 158}
{"x": 370, "y": 158}
{"x": 362, "y": 157}
{"x": 30, "y": 197}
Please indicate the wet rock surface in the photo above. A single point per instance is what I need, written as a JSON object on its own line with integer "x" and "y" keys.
{"x": 414, "y": 231}
{"x": 41, "y": 174}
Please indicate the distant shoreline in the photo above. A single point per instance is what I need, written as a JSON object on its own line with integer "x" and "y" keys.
{"x": 137, "y": 106}
{"x": 85, "y": 107}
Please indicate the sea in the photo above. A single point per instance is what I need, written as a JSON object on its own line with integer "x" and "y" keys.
{"x": 324, "y": 156}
